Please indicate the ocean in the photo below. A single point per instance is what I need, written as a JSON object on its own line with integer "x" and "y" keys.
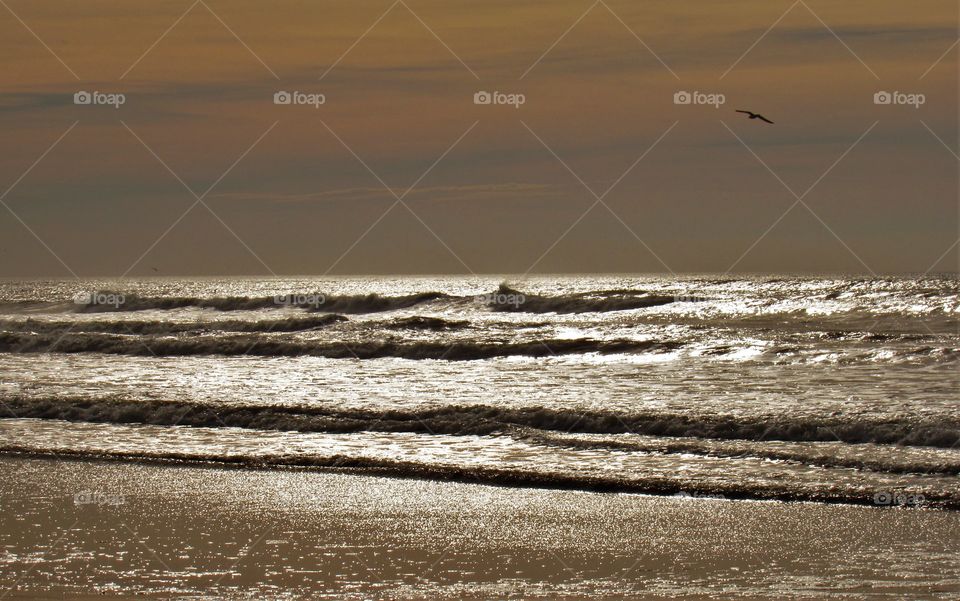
{"x": 825, "y": 389}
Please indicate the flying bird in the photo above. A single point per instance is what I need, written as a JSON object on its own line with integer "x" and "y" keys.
{"x": 756, "y": 116}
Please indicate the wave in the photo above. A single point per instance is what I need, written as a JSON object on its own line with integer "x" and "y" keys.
{"x": 819, "y": 457}
{"x": 513, "y": 477}
{"x": 485, "y": 420}
{"x": 153, "y": 327}
{"x": 258, "y": 346}
{"x": 314, "y": 301}
{"x": 508, "y": 299}
{"x": 503, "y": 299}
{"x": 374, "y": 303}
{"x": 426, "y": 323}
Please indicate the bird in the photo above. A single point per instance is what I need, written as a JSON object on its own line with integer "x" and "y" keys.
{"x": 756, "y": 116}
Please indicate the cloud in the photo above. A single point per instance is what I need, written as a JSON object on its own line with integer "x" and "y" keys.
{"x": 433, "y": 193}
{"x": 903, "y": 35}
{"x": 786, "y": 46}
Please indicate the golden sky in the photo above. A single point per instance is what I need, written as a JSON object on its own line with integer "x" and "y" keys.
{"x": 838, "y": 183}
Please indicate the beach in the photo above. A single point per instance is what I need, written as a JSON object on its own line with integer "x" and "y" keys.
{"x": 79, "y": 529}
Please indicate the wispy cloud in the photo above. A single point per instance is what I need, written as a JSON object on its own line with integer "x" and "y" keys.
{"x": 434, "y": 193}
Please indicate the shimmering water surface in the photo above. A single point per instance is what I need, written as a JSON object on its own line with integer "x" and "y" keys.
{"x": 825, "y": 389}
{"x": 91, "y": 530}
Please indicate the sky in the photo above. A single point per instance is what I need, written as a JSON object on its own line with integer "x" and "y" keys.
{"x": 600, "y": 169}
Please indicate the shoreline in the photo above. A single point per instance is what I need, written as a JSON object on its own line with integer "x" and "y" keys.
{"x": 86, "y": 529}
{"x": 481, "y": 476}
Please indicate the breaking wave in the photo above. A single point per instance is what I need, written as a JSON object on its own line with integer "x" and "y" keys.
{"x": 258, "y": 346}
{"x": 368, "y": 303}
{"x": 293, "y": 324}
{"x": 418, "y": 322}
{"x": 503, "y": 299}
{"x": 508, "y": 299}
{"x": 485, "y": 420}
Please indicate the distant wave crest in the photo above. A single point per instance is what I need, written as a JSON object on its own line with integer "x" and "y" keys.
{"x": 504, "y": 298}
{"x": 158, "y": 327}
{"x": 315, "y": 301}
{"x": 508, "y": 299}
{"x": 259, "y": 346}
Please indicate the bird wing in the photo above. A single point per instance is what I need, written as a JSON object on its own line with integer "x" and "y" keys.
{"x": 762, "y": 118}
{"x": 744, "y": 112}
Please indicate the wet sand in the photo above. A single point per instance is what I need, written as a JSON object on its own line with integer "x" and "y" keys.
{"x": 89, "y": 529}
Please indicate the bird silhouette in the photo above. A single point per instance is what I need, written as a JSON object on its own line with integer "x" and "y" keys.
{"x": 756, "y": 116}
